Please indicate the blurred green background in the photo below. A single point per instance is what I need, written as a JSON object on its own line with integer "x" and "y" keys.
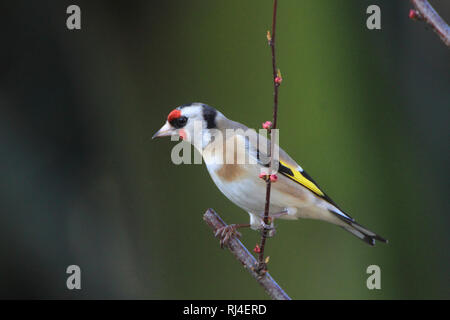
{"x": 364, "y": 112}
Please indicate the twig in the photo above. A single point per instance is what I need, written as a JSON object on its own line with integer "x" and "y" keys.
{"x": 241, "y": 253}
{"x": 276, "y": 84}
{"x": 432, "y": 18}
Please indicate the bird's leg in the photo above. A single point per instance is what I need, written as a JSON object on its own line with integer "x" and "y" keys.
{"x": 276, "y": 215}
{"x": 225, "y": 233}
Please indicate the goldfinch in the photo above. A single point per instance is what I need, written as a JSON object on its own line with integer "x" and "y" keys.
{"x": 236, "y": 171}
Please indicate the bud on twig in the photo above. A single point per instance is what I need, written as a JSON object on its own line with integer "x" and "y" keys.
{"x": 267, "y": 177}
{"x": 269, "y": 38}
{"x": 414, "y": 14}
{"x": 278, "y": 78}
{"x": 267, "y": 125}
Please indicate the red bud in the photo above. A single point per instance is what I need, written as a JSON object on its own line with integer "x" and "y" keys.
{"x": 278, "y": 80}
{"x": 267, "y": 125}
{"x": 413, "y": 14}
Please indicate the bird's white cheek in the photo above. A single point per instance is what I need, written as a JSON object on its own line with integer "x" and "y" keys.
{"x": 206, "y": 138}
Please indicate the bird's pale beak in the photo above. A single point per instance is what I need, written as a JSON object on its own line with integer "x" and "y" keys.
{"x": 166, "y": 130}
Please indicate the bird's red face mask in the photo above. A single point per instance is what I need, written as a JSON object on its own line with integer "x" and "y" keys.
{"x": 174, "y": 125}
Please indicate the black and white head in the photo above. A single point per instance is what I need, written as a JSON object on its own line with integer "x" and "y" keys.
{"x": 189, "y": 120}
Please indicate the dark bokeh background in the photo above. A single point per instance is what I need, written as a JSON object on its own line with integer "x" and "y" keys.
{"x": 365, "y": 112}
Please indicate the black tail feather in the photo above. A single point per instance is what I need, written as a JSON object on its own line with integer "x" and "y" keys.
{"x": 359, "y": 231}
{"x": 370, "y": 240}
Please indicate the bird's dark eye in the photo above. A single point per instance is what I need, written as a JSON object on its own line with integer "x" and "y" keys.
{"x": 179, "y": 122}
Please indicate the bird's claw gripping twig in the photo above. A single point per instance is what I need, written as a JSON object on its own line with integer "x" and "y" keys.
{"x": 240, "y": 252}
{"x": 270, "y": 228}
{"x": 225, "y": 234}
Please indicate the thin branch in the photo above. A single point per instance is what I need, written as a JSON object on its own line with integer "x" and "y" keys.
{"x": 432, "y": 18}
{"x": 241, "y": 253}
{"x": 276, "y": 85}
{"x": 258, "y": 269}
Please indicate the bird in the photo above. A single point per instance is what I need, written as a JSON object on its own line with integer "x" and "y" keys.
{"x": 240, "y": 171}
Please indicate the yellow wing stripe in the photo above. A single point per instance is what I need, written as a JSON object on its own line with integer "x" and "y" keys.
{"x": 298, "y": 177}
